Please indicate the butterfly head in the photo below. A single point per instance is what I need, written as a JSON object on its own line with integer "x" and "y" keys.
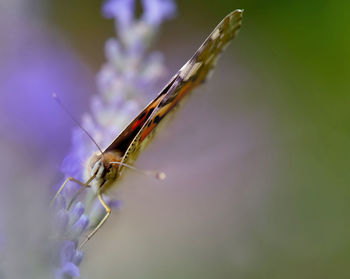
{"x": 103, "y": 168}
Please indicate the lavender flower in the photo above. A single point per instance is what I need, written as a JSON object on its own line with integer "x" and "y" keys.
{"x": 124, "y": 82}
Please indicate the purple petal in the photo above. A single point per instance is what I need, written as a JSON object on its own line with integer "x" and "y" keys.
{"x": 71, "y": 165}
{"x": 121, "y": 10}
{"x": 76, "y": 212}
{"x": 80, "y": 226}
{"x": 67, "y": 252}
{"x": 69, "y": 270}
{"x": 115, "y": 204}
{"x": 156, "y": 11}
{"x": 78, "y": 257}
{"x": 114, "y": 53}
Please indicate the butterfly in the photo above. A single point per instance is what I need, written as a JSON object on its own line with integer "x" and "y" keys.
{"x": 106, "y": 168}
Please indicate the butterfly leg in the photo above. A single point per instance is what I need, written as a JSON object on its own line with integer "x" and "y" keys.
{"x": 62, "y": 187}
{"x": 83, "y": 185}
{"x": 77, "y": 195}
{"x": 108, "y": 212}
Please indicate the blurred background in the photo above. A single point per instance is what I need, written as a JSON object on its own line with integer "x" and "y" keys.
{"x": 257, "y": 160}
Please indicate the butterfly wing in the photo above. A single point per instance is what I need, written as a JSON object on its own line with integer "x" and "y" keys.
{"x": 136, "y": 136}
{"x": 124, "y": 139}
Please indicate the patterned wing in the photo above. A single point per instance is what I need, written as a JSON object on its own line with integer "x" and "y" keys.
{"x": 123, "y": 141}
{"x": 193, "y": 73}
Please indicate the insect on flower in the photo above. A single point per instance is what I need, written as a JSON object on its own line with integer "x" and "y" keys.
{"x": 106, "y": 167}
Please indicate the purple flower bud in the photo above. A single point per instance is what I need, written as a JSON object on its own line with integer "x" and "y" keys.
{"x": 121, "y": 10}
{"x": 78, "y": 257}
{"x": 157, "y": 11}
{"x": 69, "y": 270}
{"x": 115, "y": 204}
{"x": 76, "y": 213}
{"x": 67, "y": 252}
{"x": 79, "y": 227}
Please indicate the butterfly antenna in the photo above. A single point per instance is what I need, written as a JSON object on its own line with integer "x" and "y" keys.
{"x": 57, "y": 99}
{"x": 155, "y": 174}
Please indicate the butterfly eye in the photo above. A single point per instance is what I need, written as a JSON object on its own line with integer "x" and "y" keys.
{"x": 109, "y": 168}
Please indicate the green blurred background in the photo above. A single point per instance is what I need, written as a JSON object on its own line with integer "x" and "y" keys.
{"x": 257, "y": 161}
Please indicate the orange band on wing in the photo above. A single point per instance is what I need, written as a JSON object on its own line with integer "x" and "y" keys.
{"x": 163, "y": 110}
